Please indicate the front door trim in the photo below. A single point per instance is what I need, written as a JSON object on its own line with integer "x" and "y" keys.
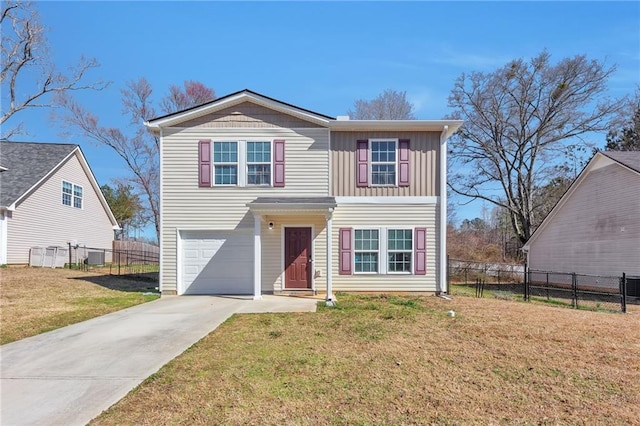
{"x": 283, "y": 264}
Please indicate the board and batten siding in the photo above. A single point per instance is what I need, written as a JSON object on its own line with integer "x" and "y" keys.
{"x": 42, "y": 220}
{"x": 273, "y": 250}
{"x": 597, "y": 230}
{"x": 185, "y": 205}
{"x": 386, "y": 215}
{"x": 248, "y": 115}
{"x": 424, "y": 165}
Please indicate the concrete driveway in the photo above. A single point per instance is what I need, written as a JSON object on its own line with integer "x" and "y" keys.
{"x": 70, "y": 375}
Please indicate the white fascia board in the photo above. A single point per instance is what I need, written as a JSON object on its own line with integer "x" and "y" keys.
{"x": 387, "y": 200}
{"x": 591, "y": 165}
{"x": 42, "y": 180}
{"x": 235, "y": 100}
{"x": 398, "y": 125}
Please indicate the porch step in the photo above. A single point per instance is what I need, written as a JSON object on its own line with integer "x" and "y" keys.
{"x": 304, "y": 292}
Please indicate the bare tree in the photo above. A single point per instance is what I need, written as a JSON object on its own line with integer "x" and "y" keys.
{"x": 194, "y": 93}
{"x": 625, "y": 134}
{"x": 521, "y": 121}
{"x": 389, "y": 105}
{"x": 28, "y": 75}
{"x": 138, "y": 147}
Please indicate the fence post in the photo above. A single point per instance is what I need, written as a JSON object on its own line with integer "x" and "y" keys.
{"x": 69, "y": 255}
{"x": 574, "y": 290}
{"x": 547, "y": 286}
{"x": 526, "y": 283}
{"x": 623, "y": 293}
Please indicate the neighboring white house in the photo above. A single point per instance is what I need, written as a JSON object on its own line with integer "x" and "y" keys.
{"x": 258, "y": 195}
{"x": 595, "y": 227}
{"x": 49, "y": 197}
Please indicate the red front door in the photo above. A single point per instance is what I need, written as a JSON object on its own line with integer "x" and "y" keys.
{"x": 297, "y": 256}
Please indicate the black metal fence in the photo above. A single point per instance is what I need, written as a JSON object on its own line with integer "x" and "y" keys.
{"x": 581, "y": 290}
{"x": 139, "y": 264}
{"x": 611, "y": 293}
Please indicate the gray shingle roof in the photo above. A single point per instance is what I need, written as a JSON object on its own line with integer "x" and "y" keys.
{"x": 630, "y": 159}
{"x": 27, "y": 163}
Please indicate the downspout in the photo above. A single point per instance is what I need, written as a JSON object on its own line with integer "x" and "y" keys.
{"x": 442, "y": 288}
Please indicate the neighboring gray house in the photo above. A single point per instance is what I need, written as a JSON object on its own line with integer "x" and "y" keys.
{"x": 595, "y": 227}
{"x": 49, "y": 197}
{"x": 259, "y": 195}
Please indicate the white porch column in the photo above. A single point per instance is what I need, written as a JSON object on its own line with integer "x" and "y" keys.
{"x": 257, "y": 257}
{"x": 330, "y": 297}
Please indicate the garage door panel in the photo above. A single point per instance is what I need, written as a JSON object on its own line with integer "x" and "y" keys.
{"x": 217, "y": 263}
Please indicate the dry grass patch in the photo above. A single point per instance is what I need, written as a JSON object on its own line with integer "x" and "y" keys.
{"x": 401, "y": 360}
{"x": 35, "y": 300}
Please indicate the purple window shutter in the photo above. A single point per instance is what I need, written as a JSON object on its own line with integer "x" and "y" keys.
{"x": 403, "y": 162}
{"x": 278, "y": 163}
{"x": 346, "y": 254}
{"x": 204, "y": 163}
{"x": 420, "y": 249}
{"x": 362, "y": 163}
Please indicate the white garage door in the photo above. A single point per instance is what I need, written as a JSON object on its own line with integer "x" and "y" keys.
{"x": 217, "y": 262}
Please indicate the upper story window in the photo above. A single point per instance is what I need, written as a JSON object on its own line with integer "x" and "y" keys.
{"x": 225, "y": 163}
{"x": 382, "y": 162}
{"x": 71, "y": 194}
{"x": 241, "y": 163}
{"x": 258, "y": 163}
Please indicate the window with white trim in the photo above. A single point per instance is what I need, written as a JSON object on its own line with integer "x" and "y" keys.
{"x": 383, "y": 162}
{"x": 258, "y": 163}
{"x": 225, "y": 163}
{"x": 366, "y": 250}
{"x": 399, "y": 250}
{"x": 394, "y": 245}
{"x": 71, "y": 194}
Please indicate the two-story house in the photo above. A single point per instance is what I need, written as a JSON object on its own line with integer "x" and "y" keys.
{"x": 260, "y": 196}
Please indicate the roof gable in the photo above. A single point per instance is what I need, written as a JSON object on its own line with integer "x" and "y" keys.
{"x": 27, "y": 164}
{"x": 236, "y": 98}
{"x": 599, "y": 160}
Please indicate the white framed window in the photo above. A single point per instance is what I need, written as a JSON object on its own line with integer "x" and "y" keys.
{"x": 258, "y": 163}
{"x": 71, "y": 194}
{"x": 242, "y": 163}
{"x": 383, "y": 250}
{"x": 399, "y": 250}
{"x": 225, "y": 163}
{"x": 384, "y": 157}
{"x": 366, "y": 244}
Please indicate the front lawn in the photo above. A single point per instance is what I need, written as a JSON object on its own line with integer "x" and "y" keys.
{"x": 35, "y": 300}
{"x": 401, "y": 360}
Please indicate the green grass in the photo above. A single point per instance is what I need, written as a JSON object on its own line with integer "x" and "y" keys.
{"x": 400, "y": 360}
{"x": 36, "y": 300}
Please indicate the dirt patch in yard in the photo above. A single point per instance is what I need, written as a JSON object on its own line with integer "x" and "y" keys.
{"x": 35, "y": 300}
{"x": 402, "y": 360}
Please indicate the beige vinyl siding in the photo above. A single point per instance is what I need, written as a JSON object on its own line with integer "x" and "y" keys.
{"x": 247, "y": 115}
{"x": 42, "y": 220}
{"x": 597, "y": 230}
{"x": 423, "y": 164}
{"x": 384, "y": 215}
{"x": 186, "y": 206}
{"x": 273, "y": 250}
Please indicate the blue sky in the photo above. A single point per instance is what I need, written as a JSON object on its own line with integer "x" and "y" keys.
{"x": 321, "y": 56}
